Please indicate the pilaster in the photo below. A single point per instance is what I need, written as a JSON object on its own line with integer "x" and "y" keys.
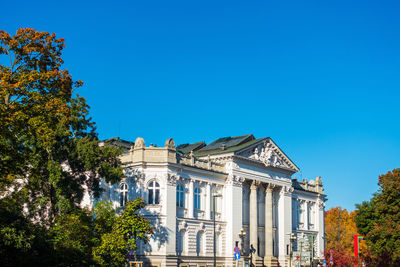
{"x": 208, "y": 202}
{"x": 305, "y": 208}
{"x": 321, "y": 227}
{"x": 284, "y": 222}
{"x": 232, "y": 199}
{"x": 233, "y": 203}
{"x": 169, "y": 207}
{"x": 191, "y": 199}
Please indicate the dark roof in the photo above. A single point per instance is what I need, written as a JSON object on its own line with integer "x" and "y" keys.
{"x": 201, "y": 153}
{"x": 119, "y": 142}
{"x": 228, "y": 142}
{"x": 187, "y": 148}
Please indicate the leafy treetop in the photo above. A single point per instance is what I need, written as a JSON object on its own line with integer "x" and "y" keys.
{"x": 49, "y": 149}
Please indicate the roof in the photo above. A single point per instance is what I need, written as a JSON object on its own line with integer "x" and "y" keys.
{"x": 119, "y": 142}
{"x": 187, "y": 148}
{"x": 228, "y": 142}
{"x": 231, "y": 145}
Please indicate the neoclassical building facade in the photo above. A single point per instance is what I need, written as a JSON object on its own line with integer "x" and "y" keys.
{"x": 254, "y": 191}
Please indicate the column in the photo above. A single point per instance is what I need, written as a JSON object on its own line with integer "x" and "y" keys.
{"x": 208, "y": 202}
{"x": 191, "y": 199}
{"x": 268, "y": 222}
{"x": 253, "y": 216}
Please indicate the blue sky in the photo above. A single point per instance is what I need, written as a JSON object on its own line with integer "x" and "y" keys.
{"x": 321, "y": 78}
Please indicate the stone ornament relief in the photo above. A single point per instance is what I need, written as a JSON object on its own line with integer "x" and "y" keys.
{"x": 202, "y": 227}
{"x": 172, "y": 178}
{"x": 321, "y": 204}
{"x": 268, "y": 155}
{"x": 234, "y": 180}
{"x": 286, "y": 190}
{"x": 182, "y": 226}
{"x": 137, "y": 174}
{"x": 231, "y": 165}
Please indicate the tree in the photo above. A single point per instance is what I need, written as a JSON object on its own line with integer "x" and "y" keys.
{"x": 128, "y": 229}
{"x": 48, "y": 144}
{"x": 340, "y": 257}
{"x": 379, "y": 220}
{"x": 339, "y": 231}
{"x": 340, "y": 228}
{"x": 20, "y": 240}
{"x": 72, "y": 238}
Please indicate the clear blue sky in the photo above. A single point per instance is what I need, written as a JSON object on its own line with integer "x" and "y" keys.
{"x": 321, "y": 78}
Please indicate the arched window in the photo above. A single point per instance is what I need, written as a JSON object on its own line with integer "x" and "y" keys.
{"x": 197, "y": 194}
{"x": 180, "y": 196}
{"x": 199, "y": 243}
{"x": 123, "y": 195}
{"x": 154, "y": 193}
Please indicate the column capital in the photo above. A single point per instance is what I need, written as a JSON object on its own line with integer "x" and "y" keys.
{"x": 254, "y": 185}
{"x": 269, "y": 188}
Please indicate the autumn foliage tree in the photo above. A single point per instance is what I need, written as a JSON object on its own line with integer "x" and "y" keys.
{"x": 49, "y": 149}
{"x": 340, "y": 228}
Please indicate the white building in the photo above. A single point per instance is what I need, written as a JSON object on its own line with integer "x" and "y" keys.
{"x": 258, "y": 195}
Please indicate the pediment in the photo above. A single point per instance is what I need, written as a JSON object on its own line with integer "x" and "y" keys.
{"x": 268, "y": 153}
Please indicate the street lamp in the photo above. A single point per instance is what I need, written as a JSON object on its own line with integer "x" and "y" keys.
{"x": 292, "y": 239}
{"x": 242, "y": 235}
{"x": 215, "y": 252}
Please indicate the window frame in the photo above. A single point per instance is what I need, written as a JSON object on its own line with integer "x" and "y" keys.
{"x": 197, "y": 198}
{"x": 153, "y": 193}
{"x": 180, "y": 196}
{"x": 123, "y": 194}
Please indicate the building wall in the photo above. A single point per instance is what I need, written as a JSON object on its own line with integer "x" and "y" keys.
{"x": 297, "y": 207}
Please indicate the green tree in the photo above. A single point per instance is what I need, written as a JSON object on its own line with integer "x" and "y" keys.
{"x": 105, "y": 217}
{"x": 22, "y": 243}
{"x": 48, "y": 144}
{"x": 50, "y": 155}
{"x": 129, "y": 227}
{"x": 72, "y": 238}
{"x": 379, "y": 221}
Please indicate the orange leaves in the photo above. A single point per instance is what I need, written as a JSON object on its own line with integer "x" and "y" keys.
{"x": 340, "y": 228}
{"x": 78, "y": 83}
{"x": 37, "y": 91}
{"x": 4, "y": 37}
